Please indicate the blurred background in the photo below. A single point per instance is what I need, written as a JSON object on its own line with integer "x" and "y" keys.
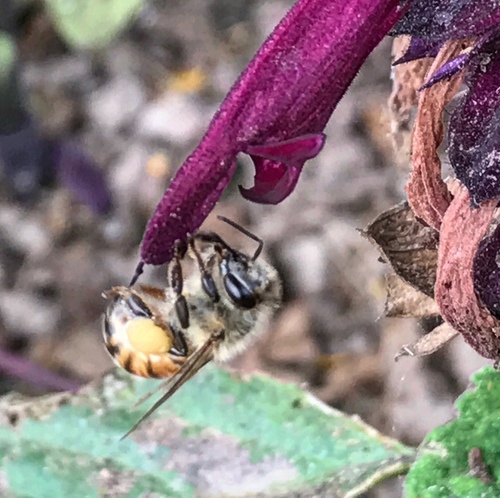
{"x": 93, "y": 124}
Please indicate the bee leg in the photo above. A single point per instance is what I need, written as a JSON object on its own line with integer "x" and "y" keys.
{"x": 176, "y": 282}
{"x": 207, "y": 280}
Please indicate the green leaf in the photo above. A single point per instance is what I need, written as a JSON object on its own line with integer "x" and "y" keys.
{"x": 91, "y": 23}
{"x": 7, "y": 55}
{"x": 442, "y": 469}
{"x": 218, "y": 436}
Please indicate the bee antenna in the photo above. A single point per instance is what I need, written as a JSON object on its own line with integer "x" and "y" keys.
{"x": 246, "y": 232}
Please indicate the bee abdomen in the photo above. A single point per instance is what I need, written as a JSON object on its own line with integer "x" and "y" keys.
{"x": 147, "y": 365}
{"x": 136, "y": 341}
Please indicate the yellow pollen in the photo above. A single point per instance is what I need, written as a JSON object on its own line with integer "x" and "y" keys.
{"x": 146, "y": 337}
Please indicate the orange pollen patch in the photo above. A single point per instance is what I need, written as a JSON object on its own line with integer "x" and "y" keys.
{"x": 146, "y": 337}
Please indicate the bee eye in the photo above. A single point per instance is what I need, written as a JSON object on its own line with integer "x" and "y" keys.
{"x": 240, "y": 291}
{"x": 147, "y": 337}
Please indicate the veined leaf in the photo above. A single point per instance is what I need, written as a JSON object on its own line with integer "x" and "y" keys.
{"x": 443, "y": 468}
{"x": 218, "y": 436}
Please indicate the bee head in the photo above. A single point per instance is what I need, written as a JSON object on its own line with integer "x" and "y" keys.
{"x": 240, "y": 283}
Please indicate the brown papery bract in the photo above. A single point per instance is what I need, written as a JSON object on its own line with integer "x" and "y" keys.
{"x": 429, "y": 343}
{"x": 462, "y": 229}
{"x": 407, "y": 79}
{"x": 405, "y": 301}
{"x": 407, "y": 245}
{"x": 428, "y": 195}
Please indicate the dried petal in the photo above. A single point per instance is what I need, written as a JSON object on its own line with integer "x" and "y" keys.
{"x": 407, "y": 245}
{"x": 448, "y": 19}
{"x": 407, "y": 78}
{"x": 429, "y": 343}
{"x": 404, "y": 301}
{"x": 474, "y": 141}
{"x": 427, "y": 193}
{"x": 462, "y": 229}
{"x": 486, "y": 271}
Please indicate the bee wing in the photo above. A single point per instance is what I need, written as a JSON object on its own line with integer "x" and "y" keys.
{"x": 195, "y": 362}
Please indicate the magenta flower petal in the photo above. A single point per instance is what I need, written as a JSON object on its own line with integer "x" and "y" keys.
{"x": 273, "y": 181}
{"x": 278, "y": 167}
{"x": 462, "y": 229}
{"x": 189, "y": 199}
{"x": 287, "y": 92}
{"x": 294, "y": 151}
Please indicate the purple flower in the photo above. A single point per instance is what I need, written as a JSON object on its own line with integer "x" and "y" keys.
{"x": 275, "y": 112}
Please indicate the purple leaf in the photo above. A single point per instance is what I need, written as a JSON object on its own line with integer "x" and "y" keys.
{"x": 447, "y": 70}
{"x": 474, "y": 141}
{"x": 79, "y": 174}
{"x": 417, "y": 49}
{"x": 34, "y": 374}
{"x": 441, "y": 20}
{"x": 23, "y": 162}
{"x": 486, "y": 272}
{"x": 288, "y": 90}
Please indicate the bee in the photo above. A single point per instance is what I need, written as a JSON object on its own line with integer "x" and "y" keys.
{"x": 212, "y": 314}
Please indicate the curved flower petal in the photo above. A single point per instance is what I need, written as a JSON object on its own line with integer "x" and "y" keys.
{"x": 273, "y": 181}
{"x": 428, "y": 195}
{"x": 462, "y": 229}
{"x": 278, "y": 166}
{"x": 293, "y": 151}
